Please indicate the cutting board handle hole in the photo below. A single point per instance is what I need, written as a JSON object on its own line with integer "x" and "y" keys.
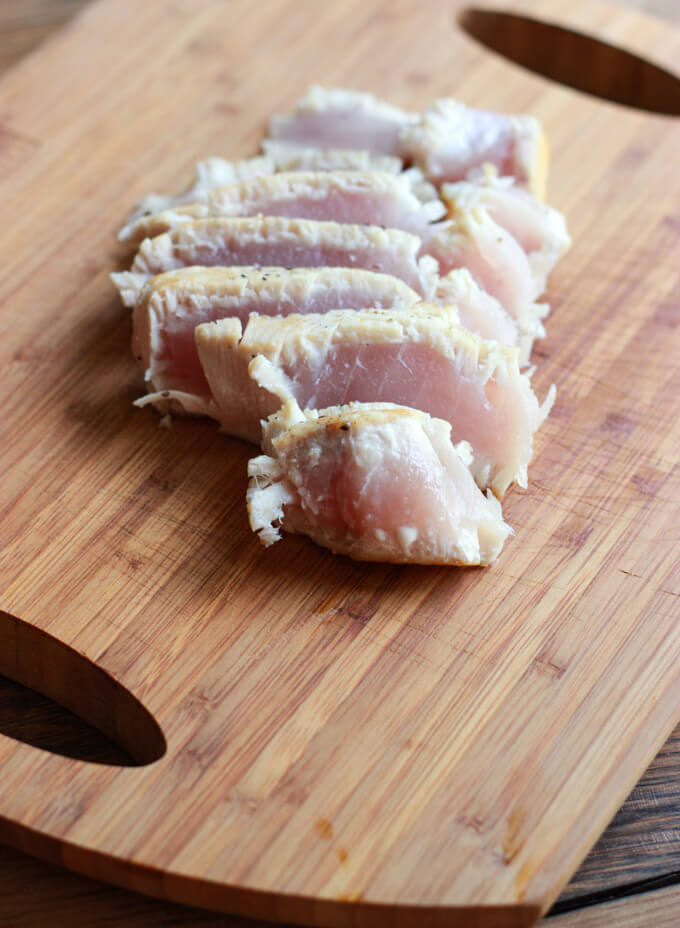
{"x": 83, "y": 696}
{"x": 575, "y": 59}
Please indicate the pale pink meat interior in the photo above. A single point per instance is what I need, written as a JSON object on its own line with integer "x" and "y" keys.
{"x": 521, "y": 214}
{"x": 291, "y": 253}
{"x": 178, "y": 349}
{"x": 474, "y": 137}
{"x": 496, "y": 261}
{"x": 409, "y": 488}
{"x": 341, "y": 127}
{"x": 389, "y": 208}
{"x": 493, "y": 418}
{"x": 178, "y": 354}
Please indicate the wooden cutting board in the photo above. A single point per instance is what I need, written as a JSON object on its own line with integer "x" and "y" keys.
{"x": 323, "y": 741}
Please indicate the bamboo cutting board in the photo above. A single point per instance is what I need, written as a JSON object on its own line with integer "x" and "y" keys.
{"x": 322, "y": 741}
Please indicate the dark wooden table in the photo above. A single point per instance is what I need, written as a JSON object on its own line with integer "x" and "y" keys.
{"x": 631, "y": 878}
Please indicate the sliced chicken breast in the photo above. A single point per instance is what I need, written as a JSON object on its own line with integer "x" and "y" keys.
{"x": 538, "y": 229}
{"x": 451, "y": 139}
{"x": 273, "y": 241}
{"x": 287, "y": 156}
{"x": 211, "y": 173}
{"x": 479, "y": 312}
{"x": 497, "y": 263}
{"x": 173, "y": 304}
{"x": 374, "y": 481}
{"x": 218, "y": 172}
{"x": 419, "y": 356}
{"x": 374, "y": 197}
{"x": 336, "y": 118}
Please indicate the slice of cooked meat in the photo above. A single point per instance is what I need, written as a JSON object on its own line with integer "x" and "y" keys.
{"x": 336, "y": 118}
{"x": 373, "y": 197}
{"x": 450, "y": 139}
{"x": 318, "y": 159}
{"x": 287, "y": 156}
{"x": 479, "y": 311}
{"x": 419, "y": 357}
{"x": 217, "y": 172}
{"x": 211, "y": 173}
{"x": 496, "y": 261}
{"x": 173, "y": 304}
{"x": 540, "y": 230}
{"x": 274, "y": 241}
{"x": 375, "y": 481}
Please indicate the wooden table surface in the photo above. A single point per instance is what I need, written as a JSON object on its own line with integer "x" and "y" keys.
{"x": 631, "y": 878}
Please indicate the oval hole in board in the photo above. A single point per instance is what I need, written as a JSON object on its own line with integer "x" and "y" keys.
{"x": 575, "y": 59}
{"x": 28, "y": 716}
{"x": 39, "y": 662}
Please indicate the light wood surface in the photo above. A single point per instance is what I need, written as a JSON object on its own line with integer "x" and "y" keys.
{"x": 640, "y": 849}
{"x": 338, "y": 735}
{"x": 34, "y": 893}
{"x": 26, "y": 23}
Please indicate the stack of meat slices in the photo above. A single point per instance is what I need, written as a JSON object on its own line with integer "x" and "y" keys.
{"x": 360, "y": 300}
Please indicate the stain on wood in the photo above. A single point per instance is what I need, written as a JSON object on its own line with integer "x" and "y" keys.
{"x": 324, "y": 829}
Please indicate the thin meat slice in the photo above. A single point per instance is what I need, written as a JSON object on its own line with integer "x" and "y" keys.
{"x": 479, "y": 311}
{"x": 497, "y": 263}
{"x": 451, "y": 139}
{"x": 290, "y": 157}
{"x": 308, "y": 243}
{"x": 173, "y": 304}
{"x": 374, "y": 197}
{"x": 419, "y": 356}
{"x": 217, "y": 172}
{"x": 336, "y": 118}
{"x": 540, "y": 230}
{"x": 211, "y": 173}
{"x": 374, "y": 481}
{"x": 273, "y": 241}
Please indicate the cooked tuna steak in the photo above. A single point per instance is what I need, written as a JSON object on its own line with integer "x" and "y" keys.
{"x": 447, "y": 141}
{"x": 451, "y": 139}
{"x": 211, "y": 173}
{"x": 418, "y": 356}
{"x": 375, "y": 481}
{"x": 538, "y": 229}
{"x": 495, "y": 260}
{"x": 290, "y": 157}
{"x": 335, "y": 118}
{"x": 266, "y": 241}
{"x": 173, "y": 304}
{"x": 374, "y": 197}
{"x": 479, "y": 311}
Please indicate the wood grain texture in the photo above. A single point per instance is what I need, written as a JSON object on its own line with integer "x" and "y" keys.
{"x": 24, "y": 24}
{"x": 642, "y": 843}
{"x": 639, "y": 846}
{"x": 29, "y": 717}
{"x": 651, "y": 910}
{"x": 295, "y": 648}
{"x": 34, "y": 893}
